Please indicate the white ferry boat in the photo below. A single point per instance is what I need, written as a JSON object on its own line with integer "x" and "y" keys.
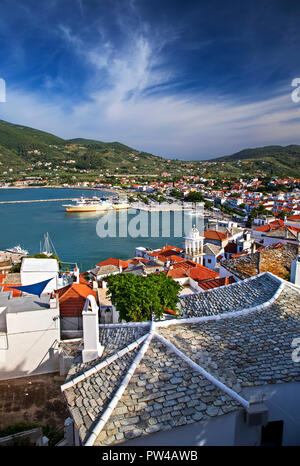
{"x": 18, "y": 250}
{"x": 95, "y": 204}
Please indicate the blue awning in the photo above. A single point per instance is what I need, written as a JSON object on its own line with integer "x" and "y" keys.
{"x": 35, "y": 288}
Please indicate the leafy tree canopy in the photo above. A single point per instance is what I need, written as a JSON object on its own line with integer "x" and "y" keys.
{"x": 136, "y": 296}
{"x": 194, "y": 196}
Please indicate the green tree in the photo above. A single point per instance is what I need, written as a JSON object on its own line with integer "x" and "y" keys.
{"x": 208, "y": 205}
{"x": 194, "y": 196}
{"x": 135, "y": 296}
{"x": 282, "y": 214}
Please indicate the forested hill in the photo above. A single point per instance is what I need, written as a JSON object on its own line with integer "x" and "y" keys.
{"x": 20, "y": 145}
{"x": 272, "y": 160}
{"x": 23, "y": 148}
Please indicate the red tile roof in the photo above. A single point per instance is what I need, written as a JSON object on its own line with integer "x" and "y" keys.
{"x": 215, "y": 283}
{"x": 72, "y": 299}
{"x": 217, "y": 235}
{"x": 15, "y": 293}
{"x": 2, "y": 277}
{"x": 115, "y": 262}
{"x": 138, "y": 260}
{"x": 192, "y": 270}
{"x": 176, "y": 259}
{"x": 82, "y": 280}
{"x": 202, "y": 273}
{"x": 271, "y": 226}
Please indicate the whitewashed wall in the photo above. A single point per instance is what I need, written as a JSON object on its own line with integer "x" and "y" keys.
{"x": 32, "y": 339}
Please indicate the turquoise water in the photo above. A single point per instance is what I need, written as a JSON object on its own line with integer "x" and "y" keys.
{"x": 74, "y": 235}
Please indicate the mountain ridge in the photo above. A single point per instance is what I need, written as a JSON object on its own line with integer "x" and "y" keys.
{"x": 22, "y": 147}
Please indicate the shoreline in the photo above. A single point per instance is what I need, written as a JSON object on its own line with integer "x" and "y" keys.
{"x": 62, "y": 187}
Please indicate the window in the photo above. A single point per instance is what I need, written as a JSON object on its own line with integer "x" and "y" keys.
{"x": 271, "y": 434}
{"x": 209, "y": 261}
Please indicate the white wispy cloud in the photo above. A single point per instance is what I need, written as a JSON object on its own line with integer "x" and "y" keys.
{"x": 118, "y": 108}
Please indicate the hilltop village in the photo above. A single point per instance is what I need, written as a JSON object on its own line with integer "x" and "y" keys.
{"x": 219, "y": 355}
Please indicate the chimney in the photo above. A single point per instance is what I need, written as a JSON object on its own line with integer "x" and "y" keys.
{"x": 226, "y": 280}
{"x": 95, "y": 284}
{"x": 258, "y": 262}
{"x": 76, "y": 274}
{"x": 90, "y": 323}
{"x": 53, "y": 300}
{"x": 120, "y": 269}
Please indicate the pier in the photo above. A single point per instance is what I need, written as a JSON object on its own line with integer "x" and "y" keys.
{"x": 39, "y": 200}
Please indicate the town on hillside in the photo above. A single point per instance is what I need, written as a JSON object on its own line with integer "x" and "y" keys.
{"x": 149, "y": 229}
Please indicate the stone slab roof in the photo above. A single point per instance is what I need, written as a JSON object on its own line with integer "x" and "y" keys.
{"x": 248, "y": 350}
{"x": 152, "y": 401}
{"x": 282, "y": 233}
{"x": 104, "y": 270}
{"x": 210, "y": 248}
{"x": 182, "y": 371}
{"x": 276, "y": 260}
{"x": 235, "y": 297}
{"x": 113, "y": 339}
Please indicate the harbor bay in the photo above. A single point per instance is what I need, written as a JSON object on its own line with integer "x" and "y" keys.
{"x": 75, "y": 235}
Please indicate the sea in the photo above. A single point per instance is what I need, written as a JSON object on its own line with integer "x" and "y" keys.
{"x": 76, "y": 235}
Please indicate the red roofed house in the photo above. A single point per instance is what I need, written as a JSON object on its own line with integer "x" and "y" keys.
{"x": 71, "y": 302}
{"x": 216, "y": 283}
{"x": 217, "y": 237}
{"x": 189, "y": 274}
{"x": 112, "y": 261}
{"x": 294, "y": 221}
{"x": 257, "y": 232}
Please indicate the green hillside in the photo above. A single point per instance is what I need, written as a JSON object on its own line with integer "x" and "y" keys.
{"x": 26, "y": 151}
{"x": 23, "y": 146}
{"x": 268, "y": 160}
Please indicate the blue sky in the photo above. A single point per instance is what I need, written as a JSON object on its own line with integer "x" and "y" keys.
{"x": 189, "y": 79}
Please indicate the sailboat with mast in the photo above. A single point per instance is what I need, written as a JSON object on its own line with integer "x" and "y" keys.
{"x": 48, "y": 247}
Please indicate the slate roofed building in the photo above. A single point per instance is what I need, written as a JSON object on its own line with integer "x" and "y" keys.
{"x": 102, "y": 271}
{"x": 275, "y": 259}
{"x": 285, "y": 234}
{"x": 227, "y": 375}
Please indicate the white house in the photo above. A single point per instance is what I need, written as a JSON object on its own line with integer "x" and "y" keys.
{"x": 35, "y": 270}
{"x": 29, "y": 335}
